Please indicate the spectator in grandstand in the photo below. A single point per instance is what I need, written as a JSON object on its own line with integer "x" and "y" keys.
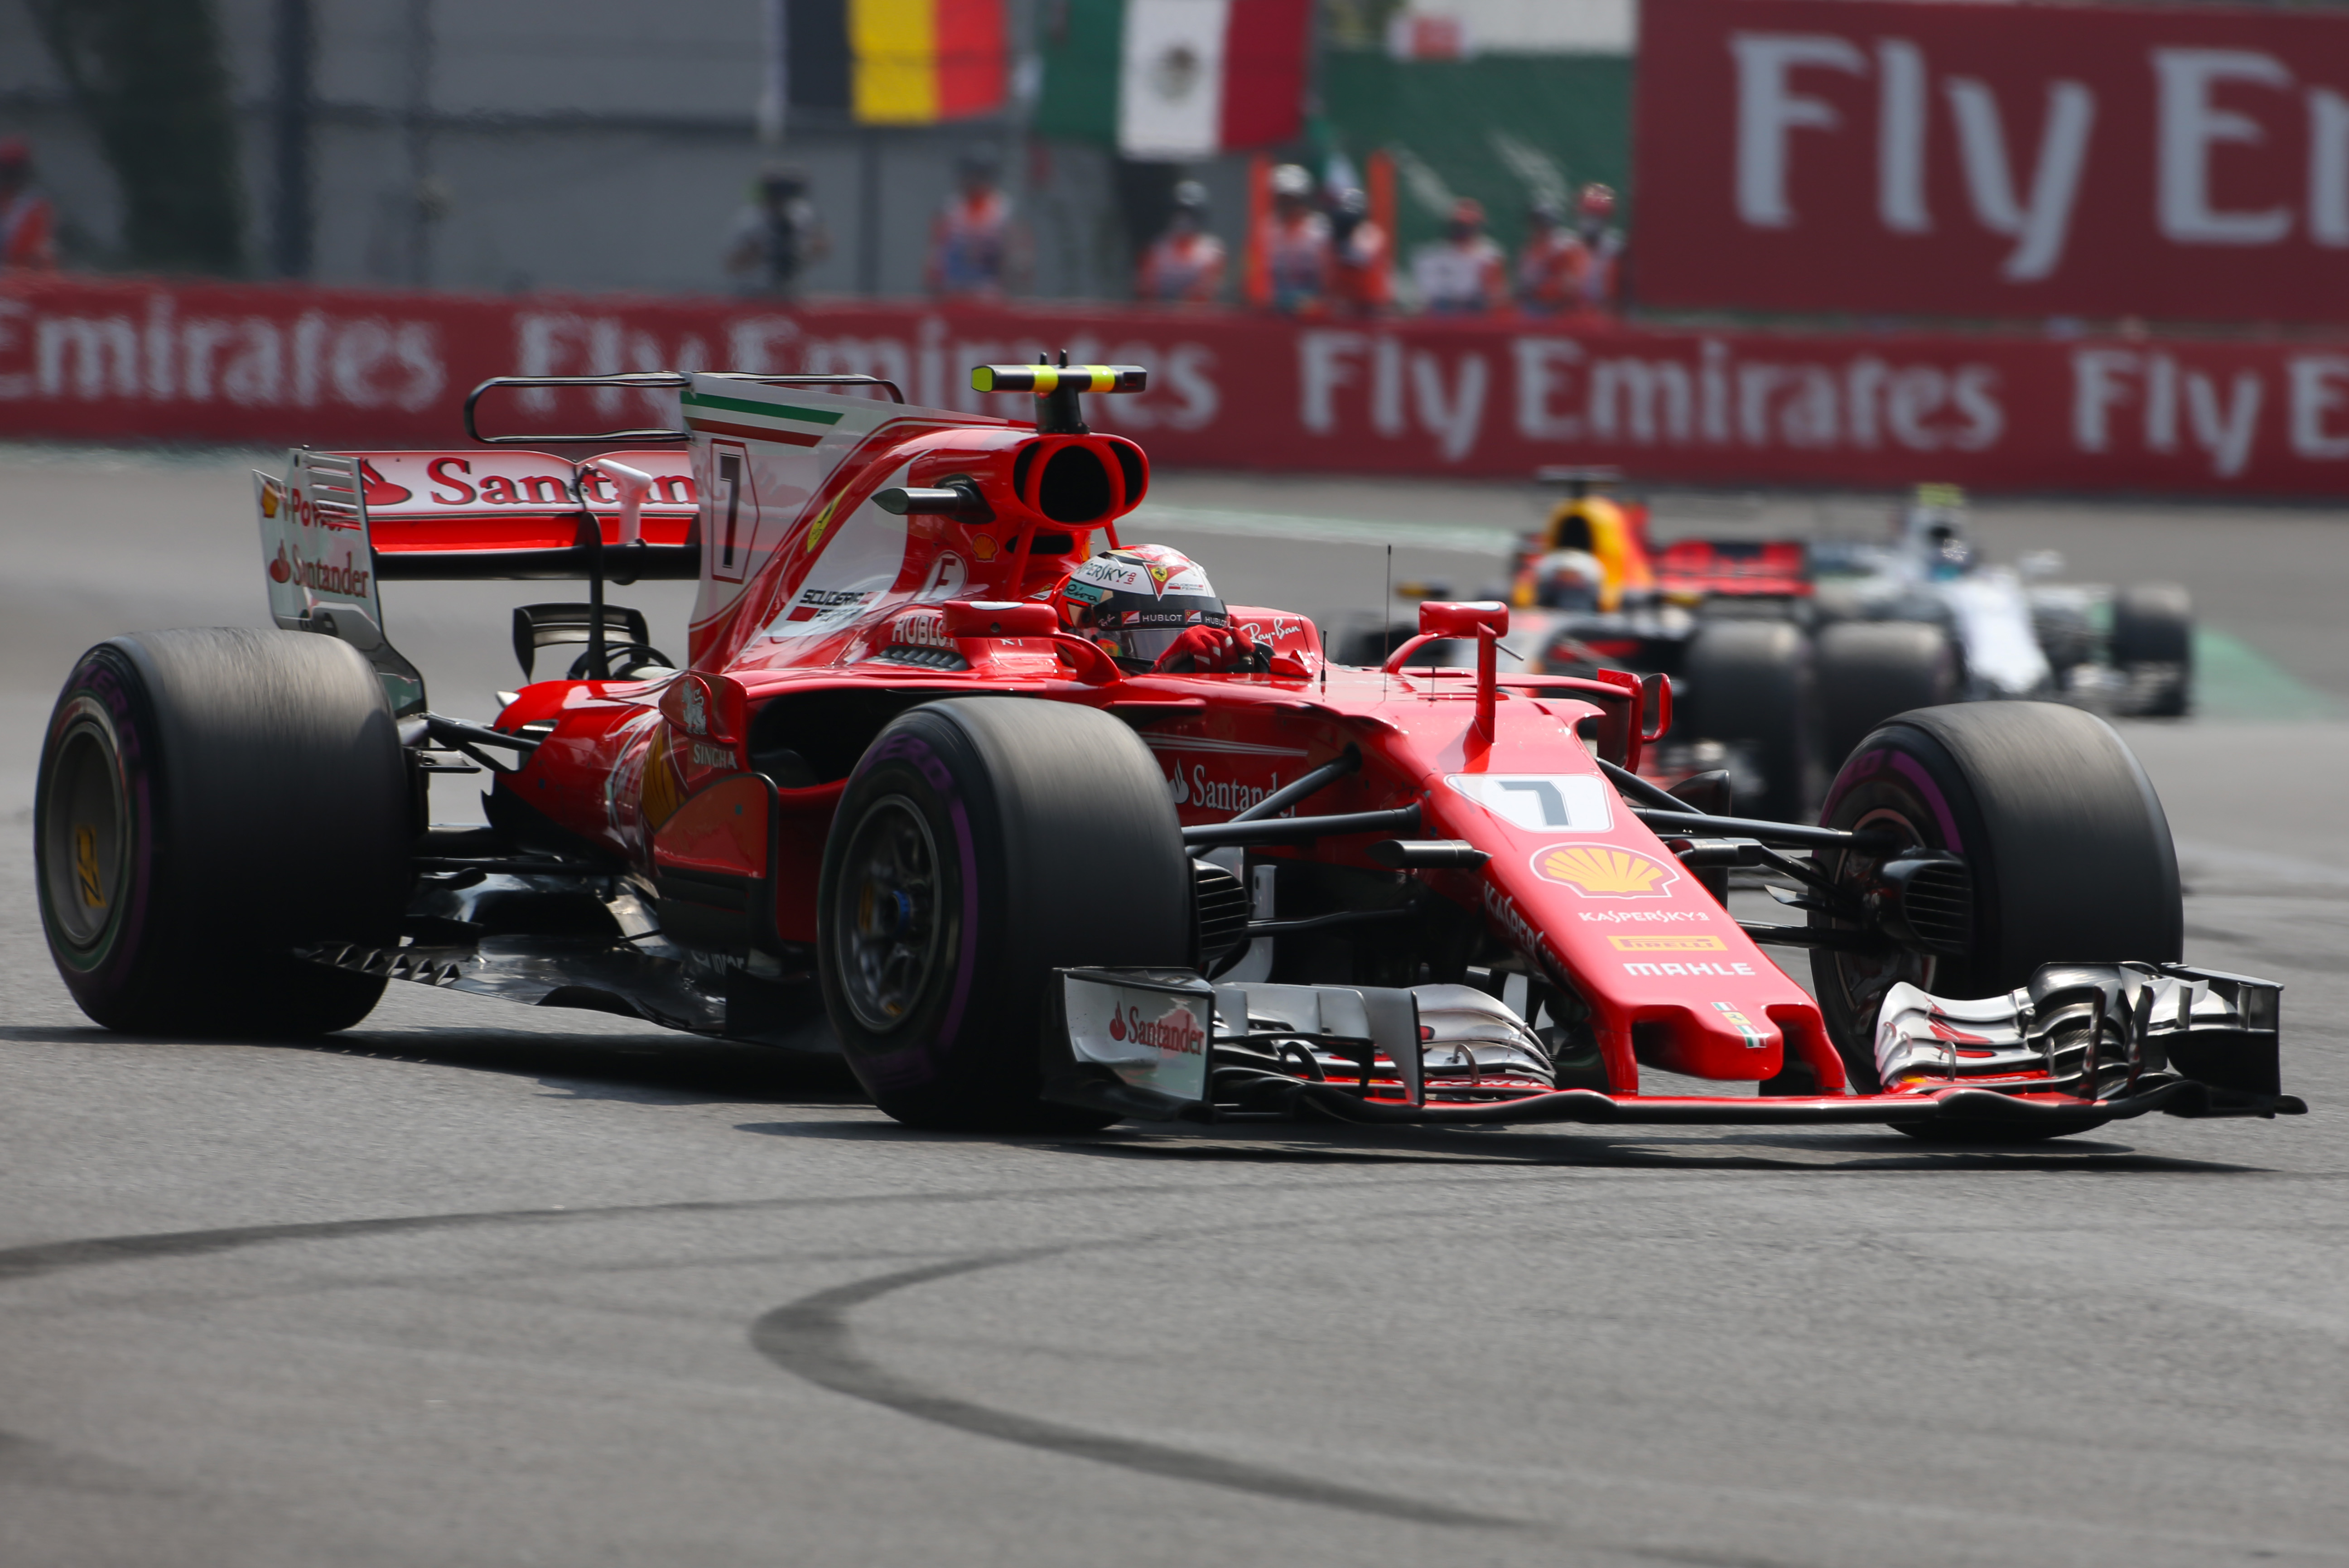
{"x": 1186, "y": 265}
{"x": 777, "y": 234}
{"x": 972, "y": 240}
{"x": 28, "y": 220}
{"x": 1553, "y": 265}
{"x": 1595, "y": 225}
{"x": 1292, "y": 272}
{"x": 1463, "y": 274}
{"x": 1362, "y": 281}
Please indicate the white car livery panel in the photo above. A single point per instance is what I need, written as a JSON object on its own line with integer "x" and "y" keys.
{"x": 1540, "y": 803}
{"x": 760, "y": 455}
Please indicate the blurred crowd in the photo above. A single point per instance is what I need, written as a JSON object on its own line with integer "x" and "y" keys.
{"x": 1315, "y": 249}
{"x": 29, "y": 221}
{"x": 1318, "y": 251}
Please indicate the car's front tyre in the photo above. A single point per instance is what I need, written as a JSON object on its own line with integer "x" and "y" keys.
{"x": 2068, "y": 848}
{"x": 980, "y": 844}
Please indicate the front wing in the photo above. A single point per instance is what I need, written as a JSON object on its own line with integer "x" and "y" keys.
{"x": 2081, "y": 1046}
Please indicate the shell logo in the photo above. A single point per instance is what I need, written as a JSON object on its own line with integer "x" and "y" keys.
{"x": 1604, "y": 871}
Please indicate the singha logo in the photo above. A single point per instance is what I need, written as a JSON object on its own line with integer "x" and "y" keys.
{"x": 697, "y": 710}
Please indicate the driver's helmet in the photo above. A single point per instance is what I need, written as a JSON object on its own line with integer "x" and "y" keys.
{"x": 1568, "y": 580}
{"x": 1134, "y": 602}
{"x": 1948, "y": 554}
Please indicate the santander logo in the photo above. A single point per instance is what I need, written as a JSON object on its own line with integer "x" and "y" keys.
{"x": 379, "y": 491}
{"x": 1175, "y": 1033}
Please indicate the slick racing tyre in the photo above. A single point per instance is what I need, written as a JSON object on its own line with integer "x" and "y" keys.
{"x": 2153, "y": 644}
{"x": 1870, "y": 669}
{"x": 2067, "y": 846}
{"x": 1750, "y": 681}
{"x": 980, "y": 844}
{"x": 208, "y": 802}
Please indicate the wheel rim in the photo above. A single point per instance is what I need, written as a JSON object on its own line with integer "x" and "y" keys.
{"x": 1864, "y": 978}
{"x": 886, "y": 912}
{"x": 84, "y": 834}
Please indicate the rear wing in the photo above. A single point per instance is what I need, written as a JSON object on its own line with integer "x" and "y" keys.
{"x": 471, "y": 516}
{"x": 1747, "y": 568}
{"x": 338, "y": 524}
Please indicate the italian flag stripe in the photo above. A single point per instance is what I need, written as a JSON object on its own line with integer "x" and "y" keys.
{"x": 750, "y": 432}
{"x": 765, "y": 411}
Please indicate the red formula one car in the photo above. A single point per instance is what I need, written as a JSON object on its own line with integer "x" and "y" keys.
{"x": 1037, "y": 832}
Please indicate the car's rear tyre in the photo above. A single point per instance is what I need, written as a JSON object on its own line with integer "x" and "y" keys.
{"x": 1870, "y": 670}
{"x": 2153, "y": 644}
{"x": 1750, "y": 681}
{"x": 2069, "y": 848}
{"x": 208, "y": 801}
{"x": 980, "y": 844}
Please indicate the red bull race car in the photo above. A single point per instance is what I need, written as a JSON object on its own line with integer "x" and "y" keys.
{"x": 1023, "y": 819}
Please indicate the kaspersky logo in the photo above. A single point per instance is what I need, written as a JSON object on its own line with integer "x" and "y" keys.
{"x": 1604, "y": 871}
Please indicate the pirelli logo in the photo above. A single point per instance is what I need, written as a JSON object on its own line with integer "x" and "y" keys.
{"x": 1669, "y": 944}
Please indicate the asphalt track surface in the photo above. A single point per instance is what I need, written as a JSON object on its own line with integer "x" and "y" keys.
{"x": 476, "y": 1284}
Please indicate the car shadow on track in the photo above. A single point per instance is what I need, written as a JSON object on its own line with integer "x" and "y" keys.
{"x": 654, "y": 1067}
{"x": 1295, "y": 1145}
{"x": 657, "y": 1067}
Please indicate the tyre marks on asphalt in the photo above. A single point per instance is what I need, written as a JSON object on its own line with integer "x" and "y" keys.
{"x": 812, "y": 1338}
{"x": 49, "y": 1257}
{"x": 809, "y": 1337}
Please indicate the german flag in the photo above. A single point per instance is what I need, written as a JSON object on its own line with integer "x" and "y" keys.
{"x": 898, "y": 62}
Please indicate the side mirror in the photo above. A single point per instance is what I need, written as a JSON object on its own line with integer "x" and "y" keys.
{"x": 982, "y": 618}
{"x": 1655, "y": 706}
{"x": 1440, "y": 617}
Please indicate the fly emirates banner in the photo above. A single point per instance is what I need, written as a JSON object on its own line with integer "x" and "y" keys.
{"x": 1994, "y": 161}
{"x": 126, "y": 359}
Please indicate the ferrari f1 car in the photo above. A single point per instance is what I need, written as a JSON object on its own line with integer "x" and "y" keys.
{"x": 1024, "y": 821}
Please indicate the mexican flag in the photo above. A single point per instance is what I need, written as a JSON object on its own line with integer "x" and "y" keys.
{"x": 1174, "y": 78}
